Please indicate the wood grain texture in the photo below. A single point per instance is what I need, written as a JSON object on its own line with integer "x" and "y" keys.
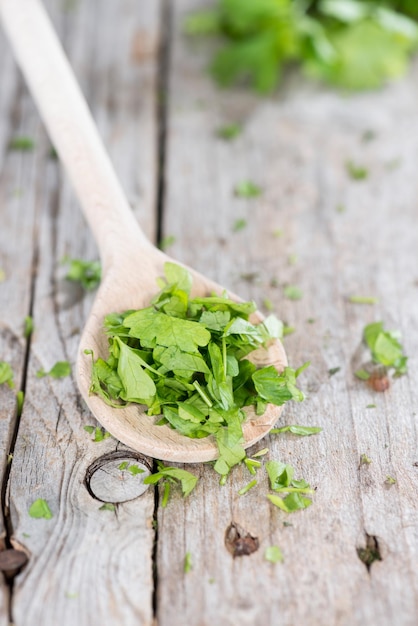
{"x": 295, "y": 145}
{"x": 87, "y": 565}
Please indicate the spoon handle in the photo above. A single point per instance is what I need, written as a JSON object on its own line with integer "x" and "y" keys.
{"x": 71, "y": 128}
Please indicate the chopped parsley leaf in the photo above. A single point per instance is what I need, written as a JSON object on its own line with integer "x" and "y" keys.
{"x": 87, "y": 273}
{"x": 229, "y": 132}
{"x": 273, "y": 554}
{"x": 247, "y": 189}
{"x": 6, "y": 374}
{"x": 40, "y": 509}
{"x": 61, "y": 369}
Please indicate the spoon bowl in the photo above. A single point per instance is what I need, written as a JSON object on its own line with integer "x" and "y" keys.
{"x": 131, "y": 264}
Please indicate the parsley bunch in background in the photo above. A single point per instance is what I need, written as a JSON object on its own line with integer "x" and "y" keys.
{"x": 352, "y": 44}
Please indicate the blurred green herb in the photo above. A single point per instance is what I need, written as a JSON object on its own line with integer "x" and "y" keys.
{"x": 329, "y": 39}
{"x": 273, "y": 554}
{"x": 24, "y": 144}
{"x": 385, "y": 347}
{"x": 87, "y": 273}
{"x": 356, "y": 172}
{"x": 61, "y": 369}
{"x": 6, "y": 374}
{"x": 229, "y": 132}
{"x": 247, "y": 189}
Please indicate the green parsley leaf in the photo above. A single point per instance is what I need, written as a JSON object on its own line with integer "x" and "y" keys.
{"x": 239, "y": 224}
{"x": 100, "y": 434}
{"x": 87, "y": 273}
{"x": 6, "y": 374}
{"x": 166, "y": 242}
{"x": 61, "y": 369}
{"x": 107, "y": 506}
{"x": 365, "y": 460}
{"x": 292, "y": 292}
{"x": 135, "y": 470}
{"x": 363, "y": 299}
{"x": 187, "y": 480}
{"x": 122, "y": 466}
{"x": 2, "y": 275}
{"x": 356, "y": 172}
{"x": 40, "y": 509}
{"x": 362, "y": 374}
{"x": 247, "y": 189}
{"x": 24, "y": 144}
{"x": 296, "y": 429}
{"x": 370, "y": 406}
{"x": 20, "y": 398}
{"x": 247, "y": 487}
{"x": 333, "y": 370}
{"x": 188, "y": 566}
{"x": 273, "y": 554}
{"x": 229, "y": 132}
{"x": 385, "y": 347}
{"x": 28, "y": 326}
{"x": 390, "y": 480}
{"x": 277, "y": 388}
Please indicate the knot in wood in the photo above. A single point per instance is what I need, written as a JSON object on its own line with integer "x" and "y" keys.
{"x": 12, "y": 561}
{"x": 239, "y": 542}
{"x": 118, "y": 476}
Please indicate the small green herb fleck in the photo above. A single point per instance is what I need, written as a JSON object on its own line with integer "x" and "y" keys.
{"x": 356, "y": 172}
{"x": 371, "y": 406}
{"x": 122, "y": 466}
{"x": 188, "y": 566}
{"x": 6, "y": 374}
{"x": 166, "y": 242}
{"x": 229, "y": 132}
{"x": 340, "y": 208}
{"x": 288, "y": 330}
{"x": 247, "y": 487}
{"x": 362, "y": 374}
{"x": 363, "y": 299}
{"x": 268, "y": 304}
{"x": 390, "y": 480}
{"x": 135, "y": 470}
{"x": 20, "y": 398}
{"x": 239, "y": 224}
{"x": 385, "y": 347}
{"x": 24, "y": 144}
{"x": 365, "y": 460}
{"x": 247, "y": 189}
{"x": 292, "y": 259}
{"x": 333, "y": 370}
{"x": 9, "y": 458}
{"x": 311, "y": 320}
{"x": 61, "y": 369}
{"x": 40, "y": 509}
{"x": 259, "y": 453}
{"x": 107, "y": 506}
{"x": 87, "y": 273}
{"x": 2, "y": 275}
{"x": 28, "y": 326}
{"x": 278, "y": 232}
{"x": 71, "y": 596}
{"x": 292, "y": 292}
{"x": 100, "y": 434}
{"x": 273, "y": 554}
{"x": 296, "y": 429}
{"x": 252, "y": 465}
{"x": 368, "y": 135}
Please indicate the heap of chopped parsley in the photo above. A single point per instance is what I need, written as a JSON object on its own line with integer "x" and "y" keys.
{"x": 185, "y": 359}
{"x": 353, "y": 44}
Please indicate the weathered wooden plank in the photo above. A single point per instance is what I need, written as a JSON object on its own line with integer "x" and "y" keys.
{"x": 295, "y": 145}
{"x": 17, "y": 246}
{"x": 87, "y": 565}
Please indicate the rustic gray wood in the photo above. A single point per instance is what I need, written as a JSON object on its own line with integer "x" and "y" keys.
{"x": 351, "y": 237}
{"x": 87, "y": 565}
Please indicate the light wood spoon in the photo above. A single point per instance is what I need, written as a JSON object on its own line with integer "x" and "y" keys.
{"x": 130, "y": 262}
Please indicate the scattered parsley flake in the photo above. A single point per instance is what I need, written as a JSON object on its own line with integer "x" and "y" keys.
{"x": 362, "y": 374}
{"x": 107, "y": 506}
{"x": 188, "y": 566}
{"x": 288, "y": 330}
{"x": 259, "y": 453}
{"x": 2, "y": 275}
{"x": 365, "y": 460}
{"x": 239, "y": 224}
{"x": 100, "y": 434}
{"x": 40, "y": 509}
{"x": 371, "y": 406}
{"x": 166, "y": 242}
{"x": 333, "y": 370}
{"x": 135, "y": 470}
{"x": 363, "y": 299}
{"x": 292, "y": 292}
{"x": 340, "y": 208}
{"x": 390, "y": 480}
{"x": 247, "y": 487}
{"x": 229, "y": 131}
{"x": 292, "y": 259}
{"x": 28, "y": 326}
{"x": 385, "y": 347}
{"x": 61, "y": 369}
{"x": 278, "y": 232}
{"x": 6, "y": 374}
{"x": 282, "y": 481}
{"x": 268, "y": 304}
{"x": 20, "y": 398}
{"x": 296, "y": 429}
{"x": 24, "y": 144}
{"x": 122, "y": 466}
{"x": 356, "y": 172}
{"x": 186, "y": 479}
{"x": 273, "y": 554}
{"x": 247, "y": 189}
{"x": 87, "y": 273}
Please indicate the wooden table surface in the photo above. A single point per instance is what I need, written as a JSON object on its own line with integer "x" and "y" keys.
{"x": 158, "y": 113}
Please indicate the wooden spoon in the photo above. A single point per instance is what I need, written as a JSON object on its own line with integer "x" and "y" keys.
{"x": 130, "y": 262}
